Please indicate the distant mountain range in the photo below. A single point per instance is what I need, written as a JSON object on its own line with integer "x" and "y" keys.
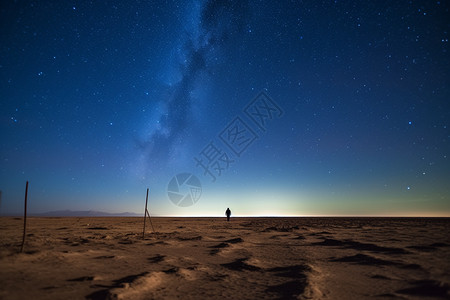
{"x": 87, "y": 213}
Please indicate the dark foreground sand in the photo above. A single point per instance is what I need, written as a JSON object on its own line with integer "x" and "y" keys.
{"x": 247, "y": 258}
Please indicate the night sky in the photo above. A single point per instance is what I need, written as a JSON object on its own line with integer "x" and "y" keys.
{"x": 291, "y": 108}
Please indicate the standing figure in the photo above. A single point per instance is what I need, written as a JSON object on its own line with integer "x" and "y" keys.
{"x": 228, "y": 214}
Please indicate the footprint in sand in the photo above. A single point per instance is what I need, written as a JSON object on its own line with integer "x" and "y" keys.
{"x": 157, "y": 243}
{"x": 288, "y": 290}
{"x": 363, "y": 259}
{"x": 156, "y": 259}
{"x": 240, "y": 265}
{"x": 235, "y": 241}
{"x": 377, "y": 276}
{"x": 427, "y": 288}
{"x": 226, "y": 244}
{"x": 190, "y": 238}
{"x": 294, "y": 271}
{"x": 129, "y": 287}
{"x": 218, "y": 247}
{"x": 104, "y": 257}
{"x": 361, "y": 246}
{"x": 83, "y": 278}
{"x": 291, "y": 289}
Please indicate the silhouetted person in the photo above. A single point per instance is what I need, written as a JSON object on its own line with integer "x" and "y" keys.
{"x": 228, "y": 214}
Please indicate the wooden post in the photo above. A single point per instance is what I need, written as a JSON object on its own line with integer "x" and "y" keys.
{"x": 24, "y": 218}
{"x": 145, "y": 215}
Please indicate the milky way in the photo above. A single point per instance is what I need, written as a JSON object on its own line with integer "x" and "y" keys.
{"x": 216, "y": 22}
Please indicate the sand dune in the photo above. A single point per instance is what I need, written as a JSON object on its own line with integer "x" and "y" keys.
{"x": 247, "y": 258}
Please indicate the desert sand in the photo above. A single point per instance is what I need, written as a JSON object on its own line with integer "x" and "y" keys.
{"x": 246, "y": 258}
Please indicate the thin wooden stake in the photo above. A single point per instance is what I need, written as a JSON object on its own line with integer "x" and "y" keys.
{"x": 24, "y": 218}
{"x": 146, "y": 213}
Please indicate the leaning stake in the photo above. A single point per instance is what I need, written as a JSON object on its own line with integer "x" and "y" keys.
{"x": 24, "y": 218}
{"x": 146, "y": 213}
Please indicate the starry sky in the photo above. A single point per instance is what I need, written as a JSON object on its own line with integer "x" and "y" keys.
{"x": 277, "y": 108}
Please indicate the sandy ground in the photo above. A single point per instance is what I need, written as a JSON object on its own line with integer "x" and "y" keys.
{"x": 247, "y": 258}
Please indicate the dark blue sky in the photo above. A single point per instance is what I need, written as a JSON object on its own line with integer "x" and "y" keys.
{"x": 100, "y": 100}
